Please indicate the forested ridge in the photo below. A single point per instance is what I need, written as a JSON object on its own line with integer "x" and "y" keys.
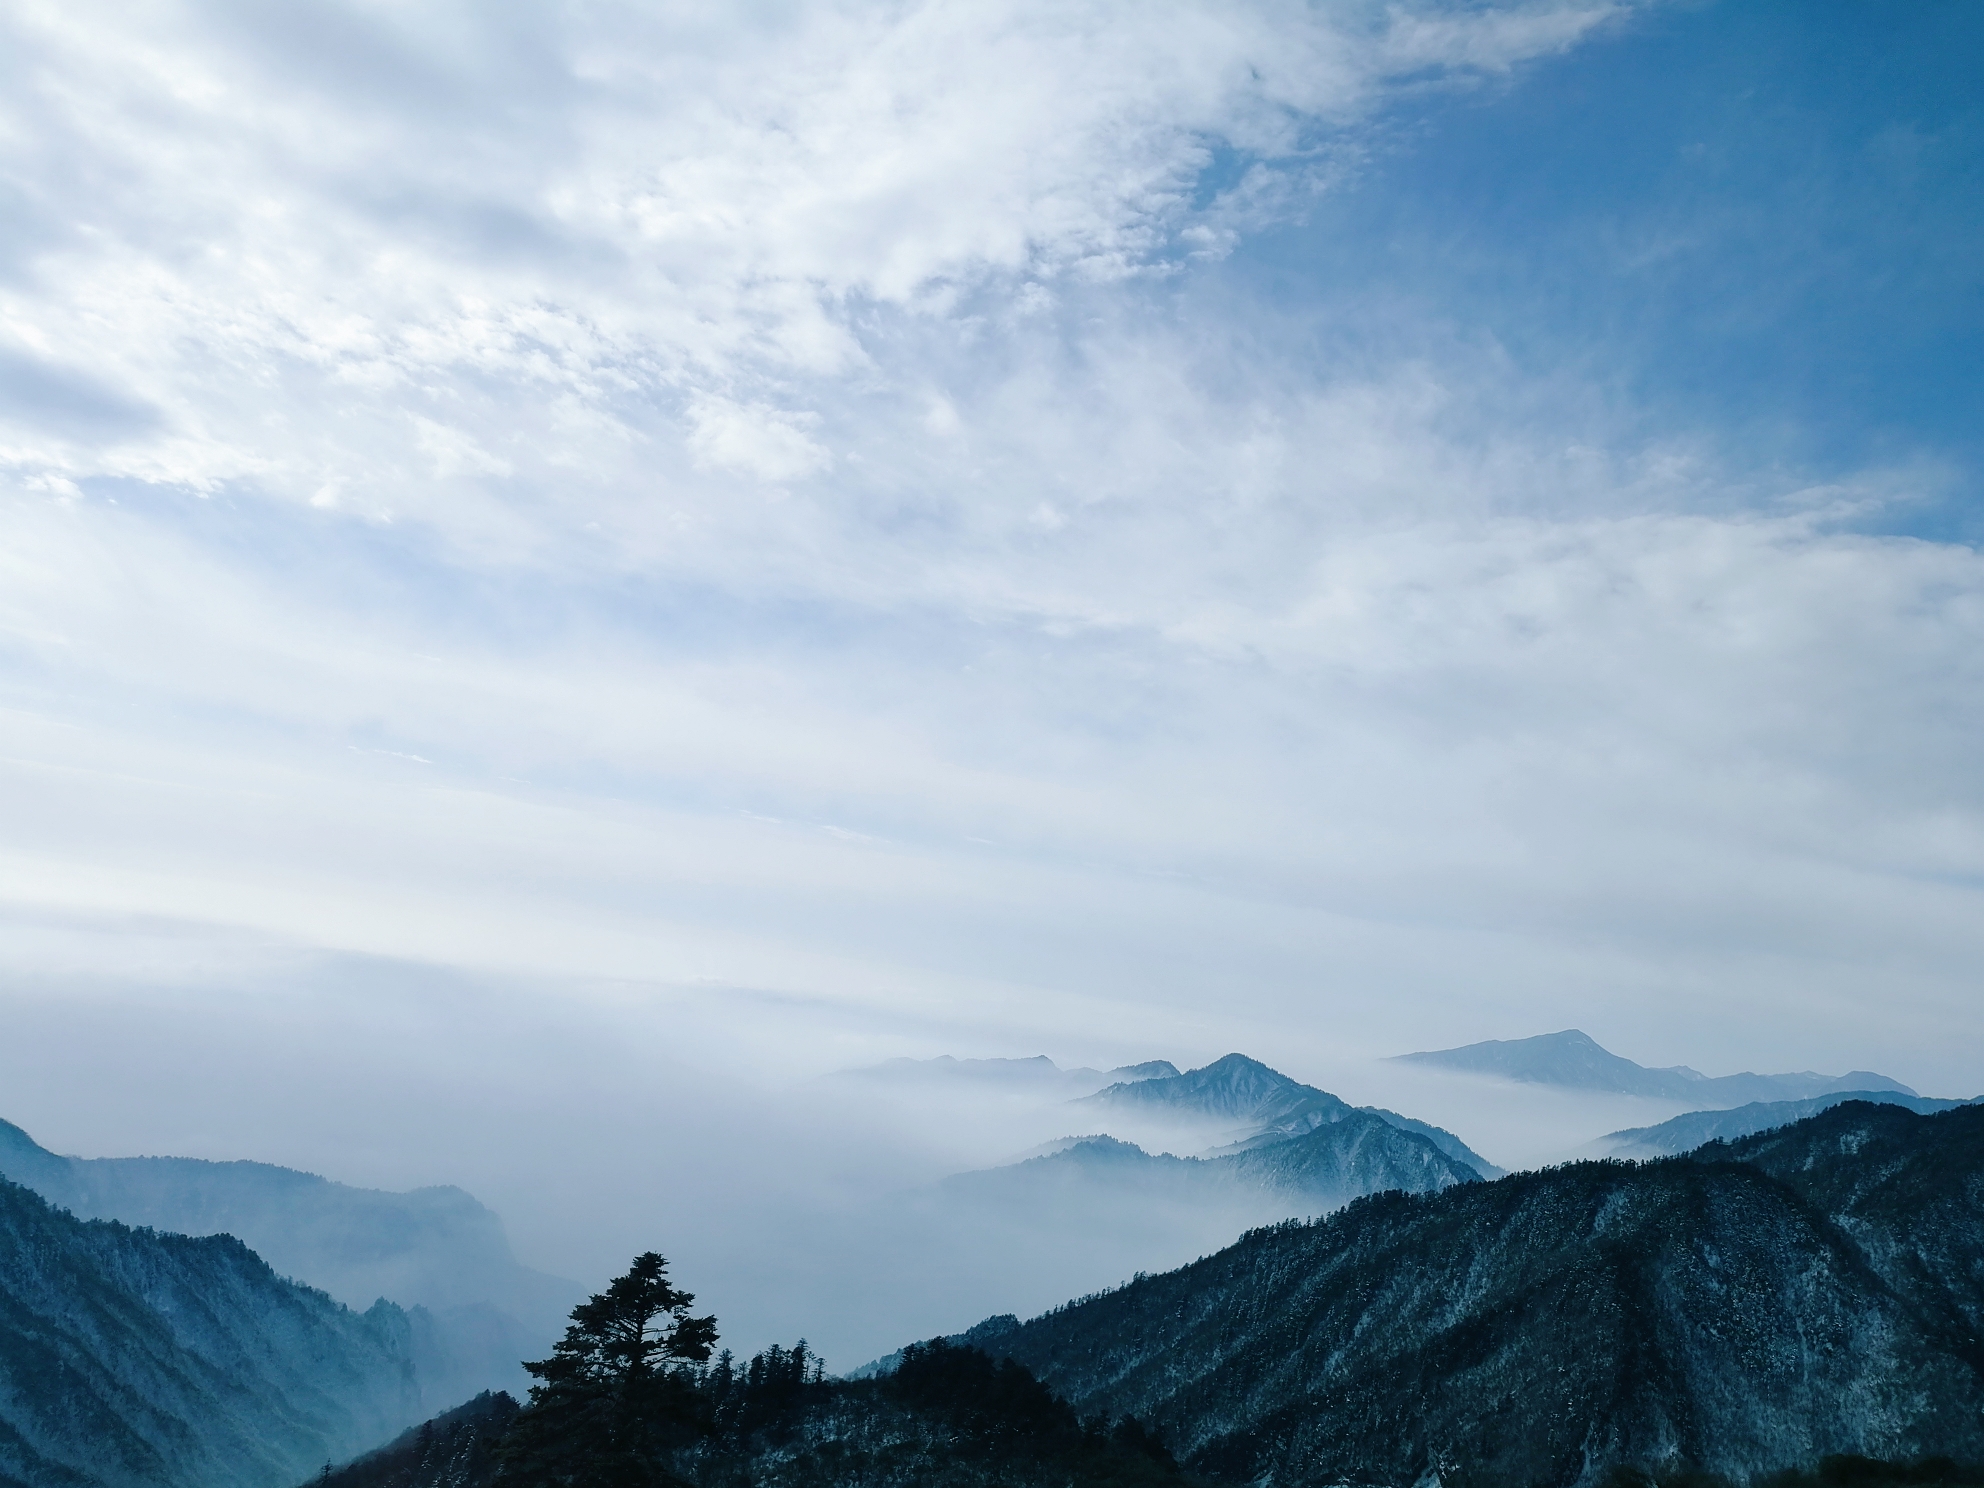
{"x": 949, "y": 1416}
{"x": 134, "y": 1359}
{"x": 1754, "y": 1307}
{"x": 1800, "y": 1309}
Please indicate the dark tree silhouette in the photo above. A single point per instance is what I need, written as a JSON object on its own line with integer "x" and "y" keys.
{"x": 631, "y": 1399}
{"x": 613, "y": 1397}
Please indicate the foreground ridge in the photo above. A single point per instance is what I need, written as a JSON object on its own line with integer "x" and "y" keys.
{"x": 1755, "y": 1307}
{"x": 133, "y": 1359}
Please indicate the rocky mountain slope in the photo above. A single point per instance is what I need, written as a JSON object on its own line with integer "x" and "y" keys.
{"x": 1573, "y": 1060}
{"x": 132, "y": 1359}
{"x": 433, "y": 1249}
{"x": 1752, "y": 1307}
{"x": 1686, "y": 1132}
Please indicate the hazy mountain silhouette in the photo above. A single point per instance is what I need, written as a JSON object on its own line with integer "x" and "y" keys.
{"x": 476, "y": 1310}
{"x": 1265, "y": 1106}
{"x": 1574, "y": 1061}
{"x": 1323, "y": 1169}
{"x": 1686, "y": 1132}
{"x": 131, "y": 1359}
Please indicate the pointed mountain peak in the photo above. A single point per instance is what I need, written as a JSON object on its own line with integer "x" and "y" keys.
{"x": 1233, "y": 1066}
{"x": 1233, "y": 1087}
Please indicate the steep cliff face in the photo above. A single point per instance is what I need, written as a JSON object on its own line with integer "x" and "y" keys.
{"x": 1740, "y": 1316}
{"x": 132, "y": 1359}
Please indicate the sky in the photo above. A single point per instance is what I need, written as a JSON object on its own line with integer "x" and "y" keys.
{"x": 568, "y": 570}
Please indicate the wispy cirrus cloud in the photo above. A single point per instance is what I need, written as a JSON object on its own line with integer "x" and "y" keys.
{"x": 315, "y": 238}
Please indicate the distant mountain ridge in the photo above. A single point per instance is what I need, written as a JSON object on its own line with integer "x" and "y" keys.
{"x": 1686, "y": 1132}
{"x": 1816, "y": 1289}
{"x": 1573, "y": 1060}
{"x": 1088, "y": 1210}
{"x": 475, "y": 1310}
{"x": 1322, "y": 1169}
{"x": 131, "y": 1359}
{"x": 1270, "y": 1106}
{"x": 1233, "y": 1087}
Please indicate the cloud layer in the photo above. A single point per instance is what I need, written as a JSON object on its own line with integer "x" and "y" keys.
{"x": 819, "y": 507}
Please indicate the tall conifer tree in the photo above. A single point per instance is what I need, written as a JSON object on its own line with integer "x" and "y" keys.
{"x": 610, "y": 1400}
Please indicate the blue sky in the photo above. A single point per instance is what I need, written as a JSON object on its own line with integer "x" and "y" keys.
{"x": 1753, "y": 220}
{"x": 1117, "y": 530}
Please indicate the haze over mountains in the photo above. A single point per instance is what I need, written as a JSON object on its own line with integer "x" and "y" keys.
{"x": 1686, "y": 1132}
{"x": 1159, "y": 1165}
{"x": 1745, "y": 1311}
{"x": 1265, "y": 1106}
{"x": 1473, "y": 1316}
{"x": 1280, "y": 1148}
{"x": 1108, "y": 1172}
{"x": 1812, "y": 1290}
{"x": 1314, "y": 1173}
{"x": 1096, "y": 1184}
{"x": 474, "y": 1310}
{"x": 1573, "y": 1060}
{"x": 133, "y": 1359}
{"x": 1266, "y": 1147}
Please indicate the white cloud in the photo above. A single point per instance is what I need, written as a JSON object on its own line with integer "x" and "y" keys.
{"x": 283, "y": 229}
{"x": 752, "y": 439}
{"x": 1676, "y": 742}
{"x": 752, "y": 501}
{"x": 450, "y": 452}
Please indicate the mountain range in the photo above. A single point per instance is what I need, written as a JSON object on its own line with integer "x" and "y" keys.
{"x": 1265, "y": 1107}
{"x": 1806, "y": 1279}
{"x": 1752, "y": 1310}
{"x": 133, "y": 1359}
{"x": 1573, "y": 1060}
{"x": 1090, "y": 1209}
{"x": 474, "y": 1311}
{"x": 1163, "y": 1166}
{"x": 1692, "y": 1129}
{"x": 1811, "y": 1290}
{"x": 1322, "y": 1169}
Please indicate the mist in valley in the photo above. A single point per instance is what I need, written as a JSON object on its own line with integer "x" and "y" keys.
{"x": 801, "y": 1182}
